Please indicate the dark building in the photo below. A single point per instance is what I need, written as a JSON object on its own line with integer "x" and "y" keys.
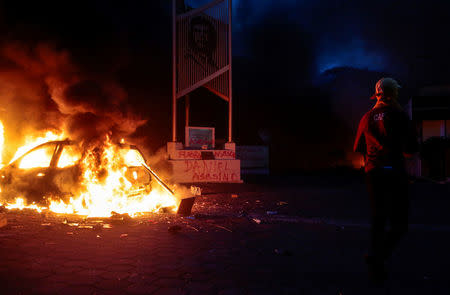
{"x": 430, "y": 111}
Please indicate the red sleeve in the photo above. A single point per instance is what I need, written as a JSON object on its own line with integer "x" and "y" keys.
{"x": 360, "y": 141}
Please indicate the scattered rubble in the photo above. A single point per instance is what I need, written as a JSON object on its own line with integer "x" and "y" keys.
{"x": 258, "y": 221}
{"x": 196, "y": 191}
{"x": 190, "y": 226}
{"x": 164, "y": 210}
{"x": 211, "y": 213}
{"x": 223, "y": 227}
{"x": 120, "y": 218}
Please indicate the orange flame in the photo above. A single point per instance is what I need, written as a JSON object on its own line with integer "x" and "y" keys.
{"x": 34, "y": 141}
{"x": 104, "y": 185}
{"x": 20, "y": 204}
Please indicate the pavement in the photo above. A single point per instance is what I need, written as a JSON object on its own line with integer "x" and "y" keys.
{"x": 271, "y": 235}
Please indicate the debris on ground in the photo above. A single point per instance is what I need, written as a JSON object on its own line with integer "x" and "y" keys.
{"x": 120, "y": 218}
{"x": 185, "y": 207}
{"x": 174, "y": 228}
{"x": 196, "y": 191}
{"x": 190, "y": 226}
{"x": 165, "y": 210}
{"x": 223, "y": 227}
{"x": 70, "y": 223}
{"x": 258, "y": 221}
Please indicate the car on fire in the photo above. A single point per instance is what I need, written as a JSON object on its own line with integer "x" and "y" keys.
{"x": 54, "y": 169}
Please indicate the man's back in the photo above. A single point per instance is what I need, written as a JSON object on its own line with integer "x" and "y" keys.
{"x": 384, "y": 135}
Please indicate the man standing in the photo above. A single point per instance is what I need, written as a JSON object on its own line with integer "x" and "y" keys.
{"x": 385, "y": 137}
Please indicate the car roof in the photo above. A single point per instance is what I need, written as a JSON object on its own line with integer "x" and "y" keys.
{"x": 73, "y": 142}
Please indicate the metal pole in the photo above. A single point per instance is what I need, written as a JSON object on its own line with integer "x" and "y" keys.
{"x": 230, "y": 81}
{"x": 174, "y": 69}
{"x": 159, "y": 180}
{"x": 188, "y": 105}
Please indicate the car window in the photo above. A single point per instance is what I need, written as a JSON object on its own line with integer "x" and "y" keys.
{"x": 39, "y": 158}
{"x": 131, "y": 157}
{"x": 70, "y": 155}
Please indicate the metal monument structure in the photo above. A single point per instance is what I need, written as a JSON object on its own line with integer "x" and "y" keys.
{"x": 202, "y": 58}
{"x": 202, "y": 55}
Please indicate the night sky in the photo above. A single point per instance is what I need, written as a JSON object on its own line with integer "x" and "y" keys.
{"x": 303, "y": 70}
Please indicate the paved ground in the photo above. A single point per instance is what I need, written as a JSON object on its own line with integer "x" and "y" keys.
{"x": 313, "y": 245}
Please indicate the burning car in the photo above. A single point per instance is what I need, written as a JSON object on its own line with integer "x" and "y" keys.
{"x": 68, "y": 178}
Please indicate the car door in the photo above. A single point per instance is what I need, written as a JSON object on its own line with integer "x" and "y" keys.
{"x": 67, "y": 173}
{"x": 30, "y": 175}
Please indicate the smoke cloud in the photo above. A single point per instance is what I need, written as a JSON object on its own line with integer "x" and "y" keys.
{"x": 42, "y": 89}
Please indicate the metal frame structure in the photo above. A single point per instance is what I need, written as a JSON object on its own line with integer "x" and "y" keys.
{"x": 207, "y": 63}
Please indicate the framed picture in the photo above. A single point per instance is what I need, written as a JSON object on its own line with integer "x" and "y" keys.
{"x": 200, "y": 137}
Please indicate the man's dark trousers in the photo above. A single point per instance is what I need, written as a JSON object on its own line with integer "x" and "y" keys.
{"x": 389, "y": 203}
